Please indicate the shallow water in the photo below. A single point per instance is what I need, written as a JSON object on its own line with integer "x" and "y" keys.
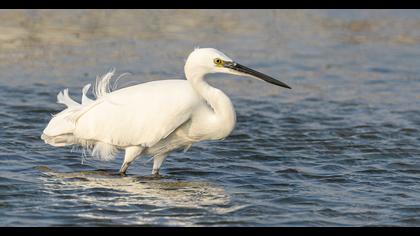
{"x": 339, "y": 149}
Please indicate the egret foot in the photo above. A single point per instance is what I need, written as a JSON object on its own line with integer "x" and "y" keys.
{"x": 131, "y": 154}
{"x": 157, "y": 162}
{"x": 155, "y": 172}
{"x": 124, "y": 168}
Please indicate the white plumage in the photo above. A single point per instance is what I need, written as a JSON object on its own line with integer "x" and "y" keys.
{"x": 152, "y": 118}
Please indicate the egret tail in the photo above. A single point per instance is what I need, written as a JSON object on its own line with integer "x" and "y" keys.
{"x": 59, "y": 131}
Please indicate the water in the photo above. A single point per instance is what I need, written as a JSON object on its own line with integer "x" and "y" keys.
{"x": 339, "y": 149}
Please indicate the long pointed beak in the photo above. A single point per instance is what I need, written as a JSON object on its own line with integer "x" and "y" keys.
{"x": 243, "y": 69}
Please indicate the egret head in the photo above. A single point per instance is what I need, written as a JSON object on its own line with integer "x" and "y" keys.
{"x": 210, "y": 60}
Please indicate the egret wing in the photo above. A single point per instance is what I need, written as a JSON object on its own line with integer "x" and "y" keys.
{"x": 138, "y": 115}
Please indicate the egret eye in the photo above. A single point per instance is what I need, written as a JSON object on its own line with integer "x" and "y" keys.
{"x": 218, "y": 61}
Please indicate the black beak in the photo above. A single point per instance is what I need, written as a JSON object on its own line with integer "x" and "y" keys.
{"x": 249, "y": 71}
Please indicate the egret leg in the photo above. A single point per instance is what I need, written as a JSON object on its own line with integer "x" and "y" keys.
{"x": 157, "y": 162}
{"x": 131, "y": 154}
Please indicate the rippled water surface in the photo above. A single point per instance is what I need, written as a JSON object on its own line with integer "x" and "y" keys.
{"x": 342, "y": 148}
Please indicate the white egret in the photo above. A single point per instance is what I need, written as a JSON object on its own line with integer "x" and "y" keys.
{"x": 152, "y": 118}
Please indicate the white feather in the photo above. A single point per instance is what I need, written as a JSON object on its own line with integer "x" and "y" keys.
{"x": 104, "y": 151}
{"x": 102, "y": 84}
{"x": 64, "y": 98}
{"x": 85, "y": 99}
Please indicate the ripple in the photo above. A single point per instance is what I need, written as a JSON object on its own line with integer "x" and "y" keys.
{"x": 339, "y": 149}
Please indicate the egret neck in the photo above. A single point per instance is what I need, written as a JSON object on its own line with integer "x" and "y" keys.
{"x": 217, "y": 100}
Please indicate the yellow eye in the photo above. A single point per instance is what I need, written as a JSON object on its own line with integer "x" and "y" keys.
{"x": 218, "y": 61}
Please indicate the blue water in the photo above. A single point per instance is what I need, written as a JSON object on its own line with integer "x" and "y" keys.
{"x": 342, "y": 148}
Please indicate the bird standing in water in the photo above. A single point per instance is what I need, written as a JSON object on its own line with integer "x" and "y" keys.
{"x": 152, "y": 118}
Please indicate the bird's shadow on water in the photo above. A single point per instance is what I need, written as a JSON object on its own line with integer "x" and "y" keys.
{"x": 131, "y": 189}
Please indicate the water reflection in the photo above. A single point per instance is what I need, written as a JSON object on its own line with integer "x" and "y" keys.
{"x": 119, "y": 191}
{"x": 341, "y": 148}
